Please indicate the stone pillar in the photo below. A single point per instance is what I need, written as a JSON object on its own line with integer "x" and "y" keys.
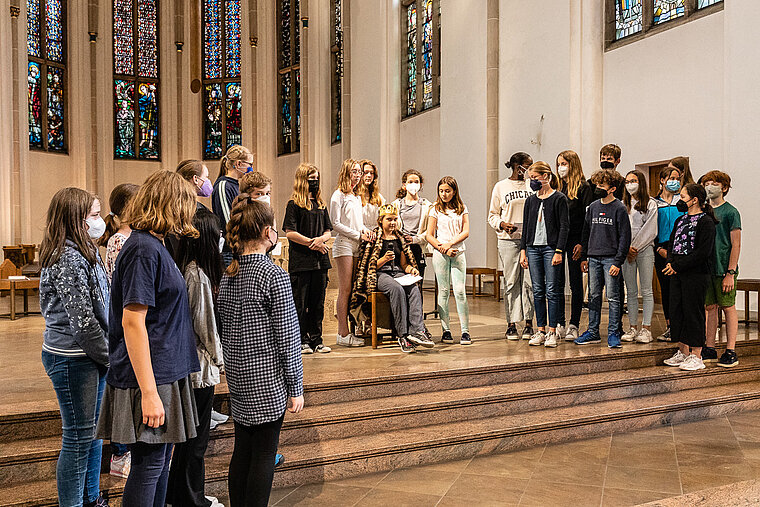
{"x": 492, "y": 115}
{"x": 345, "y": 129}
{"x": 318, "y": 76}
{"x": 8, "y": 121}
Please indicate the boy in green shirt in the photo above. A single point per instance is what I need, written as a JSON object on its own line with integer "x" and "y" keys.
{"x": 721, "y": 294}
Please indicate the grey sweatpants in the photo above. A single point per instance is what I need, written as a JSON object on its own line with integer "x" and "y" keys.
{"x": 406, "y": 304}
{"x": 518, "y": 289}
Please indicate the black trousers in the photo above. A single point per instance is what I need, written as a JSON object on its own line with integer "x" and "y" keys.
{"x": 687, "y": 308}
{"x": 187, "y": 474}
{"x": 659, "y": 265}
{"x": 252, "y": 463}
{"x": 575, "y": 274}
{"x": 309, "y": 294}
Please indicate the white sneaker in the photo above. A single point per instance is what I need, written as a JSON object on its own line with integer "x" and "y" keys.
{"x": 350, "y": 341}
{"x": 676, "y": 359}
{"x": 692, "y": 363}
{"x": 644, "y": 336}
{"x": 630, "y": 335}
{"x": 538, "y": 338}
{"x": 306, "y": 349}
{"x": 572, "y": 333}
{"x": 551, "y": 340}
{"x": 121, "y": 465}
{"x": 220, "y": 418}
{"x": 214, "y": 501}
{"x": 561, "y": 332}
{"x": 322, "y": 349}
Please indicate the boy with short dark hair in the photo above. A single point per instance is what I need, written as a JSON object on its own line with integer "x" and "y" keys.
{"x": 721, "y": 292}
{"x": 606, "y": 241}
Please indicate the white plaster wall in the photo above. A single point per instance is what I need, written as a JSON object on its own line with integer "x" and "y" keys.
{"x": 420, "y": 140}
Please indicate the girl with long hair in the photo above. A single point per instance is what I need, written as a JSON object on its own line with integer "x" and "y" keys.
{"x": 690, "y": 262}
{"x": 347, "y": 222}
{"x": 149, "y": 401}
{"x": 307, "y": 226}
{"x": 413, "y": 211}
{"x": 200, "y": 262}
{"x": 261, "y": 342}
{"x": 448, "y": 227}
{"x": 572, "y": 183}
{"x": 74, "y": 299}
{"x": 369, "y": 191}
{"x": 667, "y": 214}
{"x": 546, "y": 222}
{"x": 234, "y": 164}
{"x": 639, "y": 264}
{"x": 682, "y": 164}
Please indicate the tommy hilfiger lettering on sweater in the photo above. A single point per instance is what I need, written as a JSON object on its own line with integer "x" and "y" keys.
{"x": 607, "y": 231}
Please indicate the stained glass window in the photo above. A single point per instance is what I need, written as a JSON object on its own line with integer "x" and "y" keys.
{"x": 336, "y": 54}
{"x": 665, "y": 10}
{"x": 221, "y": 77}
{"x": 701, "y": 4}
{"x": 629, "y": 18}
{"x": 136, "y": 83}
{"x": 46, "y": 74}
{"x": 289, "y": 76}
{"x": 421, "y": 29}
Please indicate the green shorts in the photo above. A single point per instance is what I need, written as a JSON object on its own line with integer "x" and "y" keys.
{"x": 716, "y": 296}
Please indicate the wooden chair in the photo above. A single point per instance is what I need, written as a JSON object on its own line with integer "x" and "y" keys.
{"x": 381, "y": 318}
{"x": 15, "y": 254}
{"x": 748, "y": 286}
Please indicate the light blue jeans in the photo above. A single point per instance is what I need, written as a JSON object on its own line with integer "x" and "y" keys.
{"x": 452, "y": 271}
{"x": 639, "y": 274}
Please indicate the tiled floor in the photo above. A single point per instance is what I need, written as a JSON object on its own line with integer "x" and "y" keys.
{"x": 617, "y": 470}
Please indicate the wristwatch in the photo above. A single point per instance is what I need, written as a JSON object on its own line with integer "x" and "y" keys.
{"x": 731, "y": 272}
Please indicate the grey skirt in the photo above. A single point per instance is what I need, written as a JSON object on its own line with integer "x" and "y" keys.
{"x": 121, "y": 415}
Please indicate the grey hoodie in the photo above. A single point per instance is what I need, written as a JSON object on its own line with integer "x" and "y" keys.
{"x": 74, "y": 298}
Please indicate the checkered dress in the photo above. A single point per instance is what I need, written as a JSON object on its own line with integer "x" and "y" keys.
{"x": 261, "y": 340}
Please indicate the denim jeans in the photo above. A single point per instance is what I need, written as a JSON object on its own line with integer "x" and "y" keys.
{"x": 547, "y": 284}
{"x": 599, "y": 277}
{"x": 452, "y": 271}
{"x": 78, "y": 384}
{"x": 639, "y": 274}
{"x": 148, "y": 479}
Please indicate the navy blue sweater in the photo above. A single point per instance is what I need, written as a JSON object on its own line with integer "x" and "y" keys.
{"x": 607, "y": 231}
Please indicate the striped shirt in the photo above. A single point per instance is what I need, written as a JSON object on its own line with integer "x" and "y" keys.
{"x": 225, "y": 191}
{"x": 261, "y": 340}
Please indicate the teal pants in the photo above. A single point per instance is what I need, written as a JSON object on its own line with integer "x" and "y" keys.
{"x": 452, "y": 271}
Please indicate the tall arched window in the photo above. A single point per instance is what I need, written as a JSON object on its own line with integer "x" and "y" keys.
{"x": 136, "y": 83}
{"x": 421, "y": 55}
{"x": 46, "y": 74}
{"x": 336, "y": 59}
{"x": 222, "y": 125}
{"x": 288, "y": 77}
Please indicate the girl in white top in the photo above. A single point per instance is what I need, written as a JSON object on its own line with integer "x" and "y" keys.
{"x": 346, "y": 217}
{"x": 448, "y": 227}
{"x": 369, "y": 191}
{"x": 639, "y": 265}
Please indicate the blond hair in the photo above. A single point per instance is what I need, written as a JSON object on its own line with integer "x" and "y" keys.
{"x": 575, "y": 176}
{"x": 300, "y": 194}
{"x": 253, "y": 181}
{"x": 369, "y": 194}
{"x": 344, "y": 176}
{"x": 542, "y": 167}
{"x": 164, "y": 204}
{"x": 234, "y": 154}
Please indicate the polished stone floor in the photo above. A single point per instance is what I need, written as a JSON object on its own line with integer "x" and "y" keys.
{"x": 616, "y": 470}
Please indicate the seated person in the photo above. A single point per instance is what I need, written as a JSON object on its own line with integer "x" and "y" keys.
{"x": 382, "y": 261}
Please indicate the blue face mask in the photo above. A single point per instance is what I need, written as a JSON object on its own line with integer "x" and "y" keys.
{"x": 673, "y": 185}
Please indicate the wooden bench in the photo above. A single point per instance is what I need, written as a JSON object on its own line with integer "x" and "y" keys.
{"x": 748, "y": 286}
{"x": 24, "y": 285}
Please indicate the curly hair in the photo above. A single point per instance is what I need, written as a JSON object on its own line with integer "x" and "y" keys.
{"x": 247, "y": 222}
{"x": 253, "y": 181}
{"x": 607, "y": 177}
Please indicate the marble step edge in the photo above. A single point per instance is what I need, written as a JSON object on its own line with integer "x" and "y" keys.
{"x": 217, "y": 472}
{"x": 227, "y": 430}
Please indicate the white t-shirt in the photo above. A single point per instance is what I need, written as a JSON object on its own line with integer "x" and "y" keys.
{"x": 346, "y": 215}
{"x": 449, "y": 226}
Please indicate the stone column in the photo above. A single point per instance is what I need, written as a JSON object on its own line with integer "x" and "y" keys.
{"x": 8, "y": 121}
{"x": 492, "y": 115}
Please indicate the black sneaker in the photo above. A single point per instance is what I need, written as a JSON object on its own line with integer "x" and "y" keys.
{"x": 511, "y": 333}
{"x": 446, "y": 337}
{"x": 406, "y": 345}
{"x": 466, "y": 340}
{"x": 728, "y": 359}
{"x": 527, "y": 332}
{"x": 709, "y": 355}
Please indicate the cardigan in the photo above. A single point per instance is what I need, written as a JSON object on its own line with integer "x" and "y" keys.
{"x": 557, "y": 219}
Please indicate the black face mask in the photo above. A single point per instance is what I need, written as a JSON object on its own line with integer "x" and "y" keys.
{"x": 682, "y": 206}
{"x": 600, "y": 193}
{"x": 313, "y": 186}
{"x": 606, "y": 164}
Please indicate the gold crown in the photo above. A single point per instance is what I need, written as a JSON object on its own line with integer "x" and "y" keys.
{"x": 388, "y": 209}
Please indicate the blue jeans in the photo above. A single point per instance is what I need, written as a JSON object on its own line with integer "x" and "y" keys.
{"x": 598, "y": 278}
{"x": 547, "y": 284}
{"x": 452, "y": 271}
{"x": 78, "y": 384}
{"x": 148, "y": 480}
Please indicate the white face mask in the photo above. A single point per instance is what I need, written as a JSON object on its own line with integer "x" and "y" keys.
{"x": 632, "y": 188}
{"x": 97, "y": 227}
{"x": 221, "y": 243}
{"x": 413, "y": 188}
{"x": 713, "y": 191}
{"x": 562, "y": 171}
{"x": 265, "y": 199}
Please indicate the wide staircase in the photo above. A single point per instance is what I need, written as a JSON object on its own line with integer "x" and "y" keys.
{"x": 383, "y": 420}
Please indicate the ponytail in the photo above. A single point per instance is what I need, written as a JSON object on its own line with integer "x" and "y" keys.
{"x": 234, "y": 153}
{"x": 120, "y": 197}
{"x": 698, "y": 191}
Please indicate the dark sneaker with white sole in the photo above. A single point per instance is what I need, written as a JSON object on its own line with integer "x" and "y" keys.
{"x": 406, "y": 345}
{"x": 729, "y": 359}
{"x": 466, "y": 340}
{"x": 420, "y": 339}
{"x": 511, "y": 333}
{"x": 709, "y": 355}
{"x": 446, "y": 337}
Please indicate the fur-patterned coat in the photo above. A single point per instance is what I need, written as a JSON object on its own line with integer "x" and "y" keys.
{"x": 365, "y": 281}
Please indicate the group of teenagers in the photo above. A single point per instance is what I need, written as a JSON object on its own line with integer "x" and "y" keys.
{"x": 136, "y": 340}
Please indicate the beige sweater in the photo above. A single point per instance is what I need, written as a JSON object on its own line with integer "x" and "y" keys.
{"x": 507, "y": 202}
